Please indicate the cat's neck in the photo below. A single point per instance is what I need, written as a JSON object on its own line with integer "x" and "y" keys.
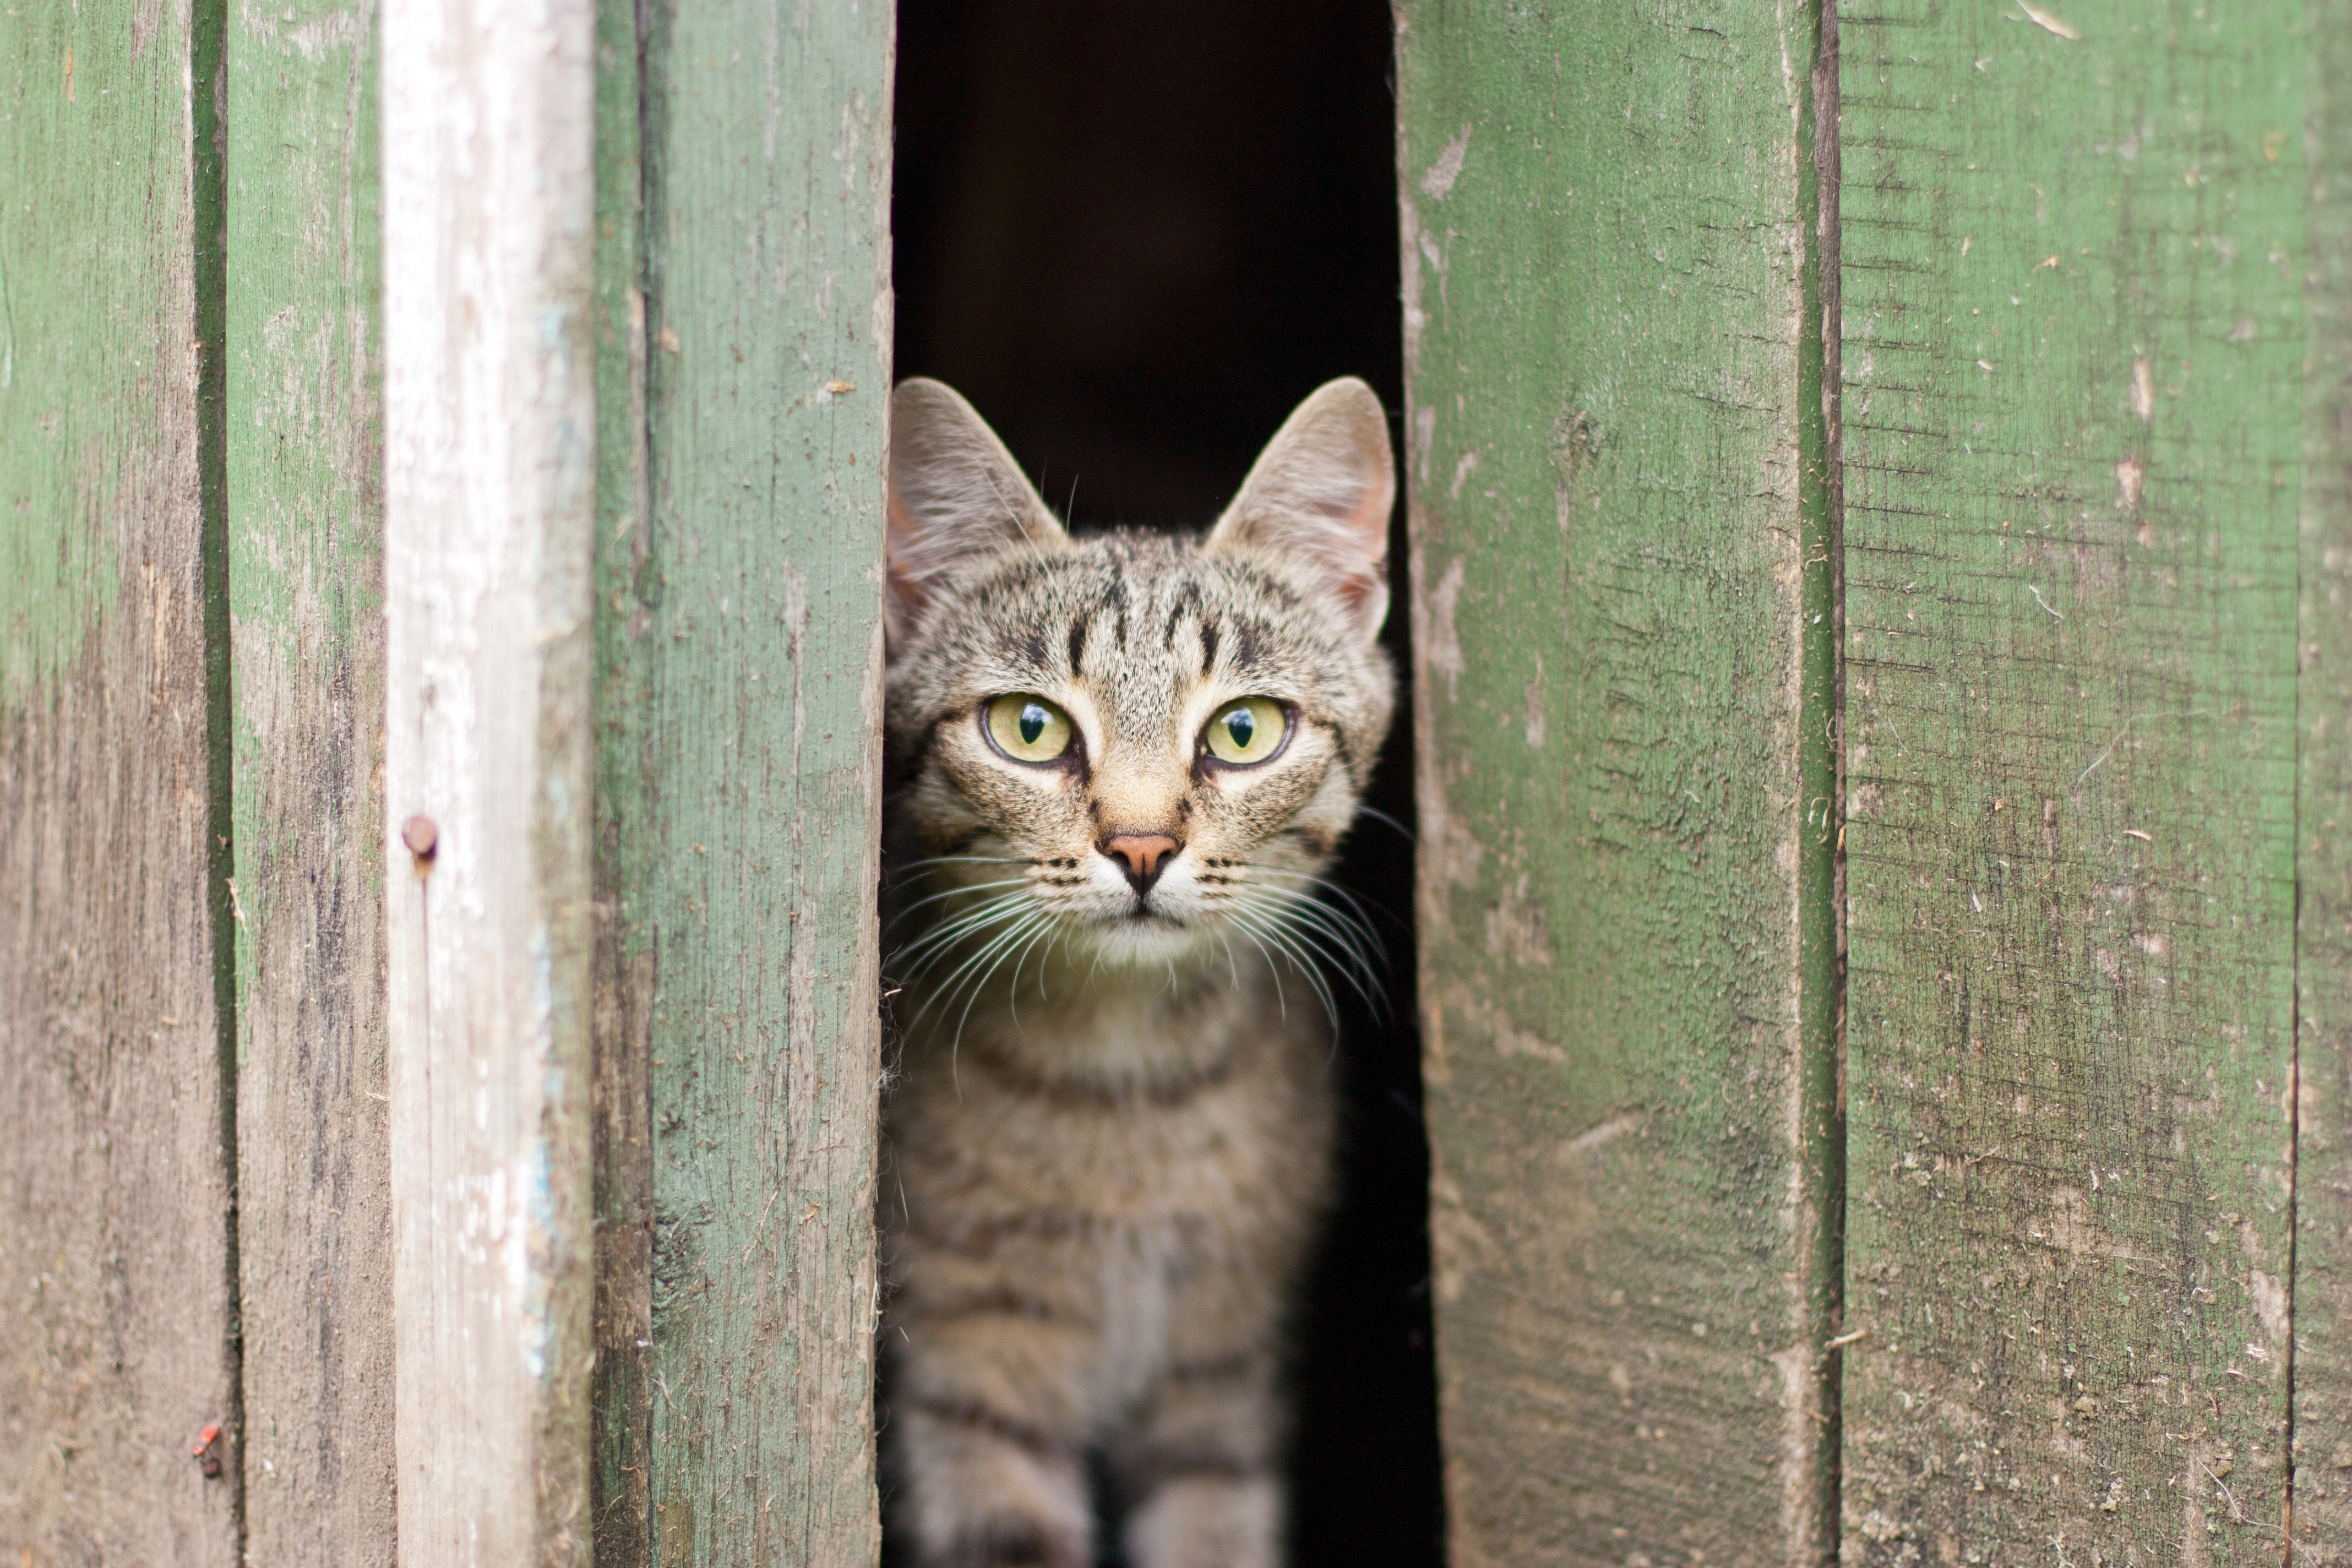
{"x": 1067, "y": 1019}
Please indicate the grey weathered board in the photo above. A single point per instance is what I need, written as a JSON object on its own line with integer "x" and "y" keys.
{"x": 743, "y": 314}
{"x": 1605, "y": 259}
{"x": 2074, "y": 250}
{"x": 304, "y": 450}
{"x": 115, "y": 1231}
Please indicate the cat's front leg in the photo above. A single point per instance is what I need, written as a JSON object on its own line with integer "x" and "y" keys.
{"x": 1200, "y": 1467}
{"x": 981, "y": 1491}
{"x": 987, "y": 1424}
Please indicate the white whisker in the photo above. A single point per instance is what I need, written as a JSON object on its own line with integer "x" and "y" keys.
{"x": 1232, "y": 967}
{"x": 1323, "y": 927}
{"x": 980, "y": 983}
{"x": 1363, "y": 907}
{"x": 896, "y": 876}
{"x": 956, "y": 924}
{"x": 1259, "y": 924}
{"x": 951, "y": 986}
{"x": 1012, "y": 986}
{"x": 902, "y": 912}
{"x": 1273, "y": 967}
{"x": 939, "y": 951}
{"x": 1309, "y": 930}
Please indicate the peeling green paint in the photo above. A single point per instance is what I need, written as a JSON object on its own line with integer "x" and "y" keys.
{"x": 1605, "y": 298}
{"x": 304, "y": 630}
{"x": 2074, "y": 253}
{"x": 744, "y": 367}
{"x": 82, "y": 297}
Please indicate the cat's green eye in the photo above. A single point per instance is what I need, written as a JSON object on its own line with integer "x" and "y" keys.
{"x": 1247, "y": 731}
{"x": 1027, "y": 727}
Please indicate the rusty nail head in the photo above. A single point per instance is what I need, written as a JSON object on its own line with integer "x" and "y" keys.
{"x": 422, "y": 838}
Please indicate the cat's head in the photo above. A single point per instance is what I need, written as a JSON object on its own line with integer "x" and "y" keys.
{"x": 1138, "y": 747}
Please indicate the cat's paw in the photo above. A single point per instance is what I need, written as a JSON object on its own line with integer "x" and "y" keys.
{"x": 1011, "y": 1542}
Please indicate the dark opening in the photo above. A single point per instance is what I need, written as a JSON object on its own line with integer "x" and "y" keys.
{"x": 1134, "y": 236}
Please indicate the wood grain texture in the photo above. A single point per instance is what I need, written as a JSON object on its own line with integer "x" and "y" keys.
{"x": 739, "y": 721}
{"x": 2322, "y": 1521}
{"x": 489, "y": 439}
{"x": 1603, "y": 250}
{"x": 305, "y": 586}
{"x": 2073, "y": 244}
{"x": 114, "y": 1197}
{"x": 626, "y": 848}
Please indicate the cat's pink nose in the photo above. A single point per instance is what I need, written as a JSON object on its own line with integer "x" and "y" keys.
{"x": 1143, "y": 854}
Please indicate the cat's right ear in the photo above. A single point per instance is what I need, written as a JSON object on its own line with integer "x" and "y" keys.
{"x": 1318, "y": 498}
{"x": 955, "y": 495}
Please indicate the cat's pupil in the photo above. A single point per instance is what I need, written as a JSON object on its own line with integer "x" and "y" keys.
{"x": 1033, "y": 724}
{"x": 1241, "y": 726}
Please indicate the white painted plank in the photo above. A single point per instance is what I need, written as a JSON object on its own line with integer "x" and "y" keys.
{"x": 489, "y": 421}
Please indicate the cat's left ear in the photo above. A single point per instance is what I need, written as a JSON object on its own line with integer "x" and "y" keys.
{"x": 1318, "y": 498}
{"x": 956, "y": 496}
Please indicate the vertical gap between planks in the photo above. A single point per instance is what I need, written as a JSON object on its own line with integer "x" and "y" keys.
{"x": 1821, "y": 874}
{"x": 2328, "y": 415}
{"x": 208, "y": 79}
{"x": 2294, "y": 1122}
{"x": 622, "y": 1469}
{"x": 2294, "y": 1088}
{"x": 2328, "y": 395}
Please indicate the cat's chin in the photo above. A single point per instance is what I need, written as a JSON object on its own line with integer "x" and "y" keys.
{"x": 1148, "y": 942}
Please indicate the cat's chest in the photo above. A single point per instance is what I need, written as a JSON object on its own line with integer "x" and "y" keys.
{"x": 1232, "y": 1139}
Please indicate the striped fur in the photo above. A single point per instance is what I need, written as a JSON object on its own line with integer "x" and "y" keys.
{"x": 1109, "y": 1134}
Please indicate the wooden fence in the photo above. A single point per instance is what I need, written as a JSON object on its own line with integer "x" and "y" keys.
{"x": 1881, "y": 494}
{"x": 1881, "y": 518}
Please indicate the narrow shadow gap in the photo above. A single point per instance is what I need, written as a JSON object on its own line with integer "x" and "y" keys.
{"x": 2294, "y": 1153}
{"x": 1821, "y": 768}
{"x": 208, "y": 66}
{"x": 1135, "y": 239}
{"x": 623, "y": 1392}
{"x": 2322, "y": 781}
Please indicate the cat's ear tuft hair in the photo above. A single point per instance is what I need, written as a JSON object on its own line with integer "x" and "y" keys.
{"x": 1318, "y": 498}
{"x": 956, "y": 495}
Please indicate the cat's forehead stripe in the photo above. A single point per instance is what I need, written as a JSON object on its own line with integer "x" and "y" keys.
{"x": 1078, "y": 613}
{"x": 1185, "y": 600}
{"x": 1115, "y": 595}
{"x": 1246, "y": 638}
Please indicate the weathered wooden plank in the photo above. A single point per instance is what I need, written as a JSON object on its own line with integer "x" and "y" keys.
{"x": 2322, "y": 1517}
{"x": 489, "y": 440}
{"x": 306, "y": 588}
{"x": 2073, "y": 242}
{"x": 626, "y": 849}
{"x": 739, "y": 597}
{"x": 115, "y": 1232}
{"x": 1604, "y": 258}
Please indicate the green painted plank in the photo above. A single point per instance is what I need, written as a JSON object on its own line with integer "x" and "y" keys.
{"x": 306, "y": 590}
{"x": 91, "y": 108}
{"x": 115, "y": 1260}
{"x": 2073, "y": 250}
{"x": 2323, "y": 1205}
{"x": 740, "y": 649}
{"x": 1605, "y": 300}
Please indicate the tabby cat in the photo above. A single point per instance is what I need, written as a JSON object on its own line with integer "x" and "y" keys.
{"x": 1118, "y": 765}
